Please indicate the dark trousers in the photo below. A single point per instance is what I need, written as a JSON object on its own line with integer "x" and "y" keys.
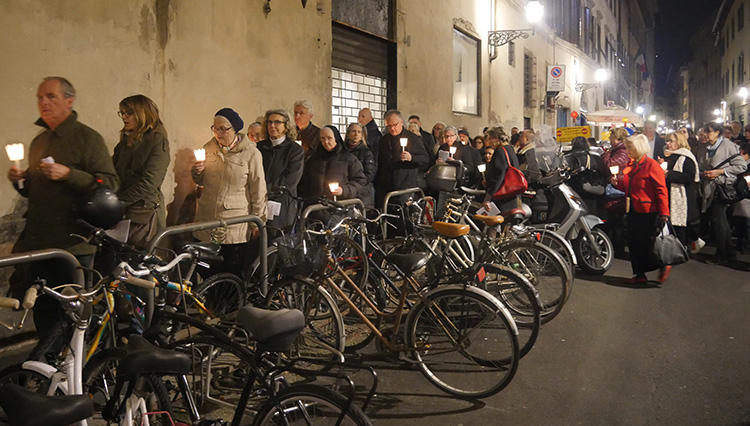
{"x": 641, "y": 228}
{"x": 615, "y": 227}
{"x": 52, "y": 325}
{"x": 717, "y": 215}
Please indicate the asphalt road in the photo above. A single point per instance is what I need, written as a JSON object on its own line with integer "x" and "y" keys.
{"x": 677, "y": 354}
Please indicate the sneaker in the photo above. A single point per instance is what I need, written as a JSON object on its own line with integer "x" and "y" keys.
{"x": 664, "y": 273}
{"x": 697, "y": 245}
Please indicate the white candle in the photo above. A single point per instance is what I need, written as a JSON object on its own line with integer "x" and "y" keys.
{"x": 299, "y": 142}
{"x": 482, "y": 168}
{"x": 334, "y": 186}
{"x": 200, "y": 154}
{"x": 747, "y": 179}
{"x": 15, "y": 154}
{"x": 403, "y": 141}
{"x": 614, "y": 169}
{"x": 664, "y": 166}
{"x": 452, "y": 150}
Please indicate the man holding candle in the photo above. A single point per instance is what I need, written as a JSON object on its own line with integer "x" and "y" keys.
{"x": 399, "y": 166}
{"x": 66, "y": 162}
{"x": 460, "y": 152}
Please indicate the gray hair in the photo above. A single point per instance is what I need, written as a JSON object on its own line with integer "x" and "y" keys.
{"x": 304, "y": 103}
{"x": 67, "y": 88}
{"x": 453, "y": 128}
{"x": 395, "y": 112}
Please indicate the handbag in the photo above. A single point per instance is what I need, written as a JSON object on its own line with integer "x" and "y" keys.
{"x": 514, "y": 183}
{"x": 668, "y": 249}
{"x": 727, "y": 192}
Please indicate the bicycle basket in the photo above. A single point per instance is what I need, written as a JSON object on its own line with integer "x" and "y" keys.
{"x": 299, "y": 258}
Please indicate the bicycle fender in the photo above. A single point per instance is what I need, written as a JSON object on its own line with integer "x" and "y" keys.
{"x": 502, "y": 309}
{"x": 45, "y": 370}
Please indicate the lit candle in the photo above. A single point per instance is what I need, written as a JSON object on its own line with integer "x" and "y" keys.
{"x": 664, "y": 166}
{"x": 15, "y": 154}
{"x": 747, "y": 179}
{"x": 299, "y": 142}
{"x": 403, "y": 141}
{"x": 333, "y": 186}
{"x": 482, "y": 168}
{"x": 200, "y": 154}
{"x": 452, "y": 150}
{"x": 614, "y": 170}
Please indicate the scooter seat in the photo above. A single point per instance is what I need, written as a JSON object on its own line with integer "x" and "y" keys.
{"x": 24, "y": 407}
{"x": 275, "y": 331}
{"x": 451, "y": 230}
{"x": 143, "y": 357}
{"x": 408, "y": 262}
{"x": 489, "y": 220}
{"x": 514, "y": 214}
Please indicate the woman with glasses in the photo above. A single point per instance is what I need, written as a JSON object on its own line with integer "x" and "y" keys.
{"x": 283, "y": 162}
{"x": 233, "y": 185}
{"x": 141, "y": 159}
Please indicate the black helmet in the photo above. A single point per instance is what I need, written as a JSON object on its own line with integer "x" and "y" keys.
{"x": 101, "y": 208}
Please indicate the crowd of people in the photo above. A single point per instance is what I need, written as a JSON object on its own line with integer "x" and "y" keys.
{"x": 681, "y": 177}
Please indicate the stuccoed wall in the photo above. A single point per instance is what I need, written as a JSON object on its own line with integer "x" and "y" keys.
{"x": 191, "y": 57}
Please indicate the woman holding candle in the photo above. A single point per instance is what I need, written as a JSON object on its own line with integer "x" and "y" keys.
{"x": 234, "y": 185}
{"x": 356, "y": 144}
{"x": 646, "y": 207}
{"x": 682, "y": 177}
{"x": 460, "y": 152}
{"x": 141, "y": 159}
{"x": 615, "y": 159}
{"x": 331, "y": 164}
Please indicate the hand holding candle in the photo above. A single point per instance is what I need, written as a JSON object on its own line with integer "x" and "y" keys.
{"x": 15, "y": 154}
{"x": 482, "y": 168}
{"x": 614, "y": 170}
{"x": 664, "y": 165}
{"x": 335, "y": 189}
{"x": 200, "y": 154}
{"x": 403, "y": 142}
{"x": 452, "y": 150}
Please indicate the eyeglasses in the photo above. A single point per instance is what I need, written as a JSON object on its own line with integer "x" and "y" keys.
{"x": 220, "y": 129}
{"x": 122, "y": 114}
{"x": 276, "y": 122}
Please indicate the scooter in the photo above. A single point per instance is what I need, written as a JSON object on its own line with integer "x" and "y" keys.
{"x": 554, "y": 203}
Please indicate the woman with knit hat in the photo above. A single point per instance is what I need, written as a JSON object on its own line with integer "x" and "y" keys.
{"x": 233, "y": 185}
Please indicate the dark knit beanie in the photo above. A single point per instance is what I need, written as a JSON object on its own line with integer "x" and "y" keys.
{"x": 233, "y": 118}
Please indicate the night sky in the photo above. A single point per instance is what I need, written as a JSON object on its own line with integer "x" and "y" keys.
{"x": 675, "y": 23}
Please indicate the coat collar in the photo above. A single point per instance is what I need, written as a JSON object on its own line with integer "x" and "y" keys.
{"x": 65, "y": 129}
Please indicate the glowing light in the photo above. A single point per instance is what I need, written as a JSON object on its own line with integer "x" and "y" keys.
{"x": 333, "y": 186}
{"x": 483, "y": 167}
{"x": 639, "y": 110}
{"x": 614, "y": 169}
{"x": 200, "y": 154}
{"x": 14, "y": 151}
{"x": 601, "y": 75}
{"x": 534, "y": 12}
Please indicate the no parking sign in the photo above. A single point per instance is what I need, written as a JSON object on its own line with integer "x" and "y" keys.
{"x": 555, "y": 78}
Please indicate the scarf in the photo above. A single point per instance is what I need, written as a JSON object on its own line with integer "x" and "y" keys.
{"x": 678, "y": 201}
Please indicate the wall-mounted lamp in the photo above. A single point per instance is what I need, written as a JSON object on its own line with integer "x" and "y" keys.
{"x": 534, "y": 14}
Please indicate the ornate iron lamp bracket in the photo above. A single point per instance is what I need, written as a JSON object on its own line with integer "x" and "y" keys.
{"x": 499, "y": 38}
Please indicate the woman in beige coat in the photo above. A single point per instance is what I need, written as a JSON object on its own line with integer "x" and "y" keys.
{"x": 233, "y": 185}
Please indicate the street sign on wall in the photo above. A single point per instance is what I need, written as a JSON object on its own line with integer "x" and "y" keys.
{"x": 555, "y": 78}
{"x": 566, "y": 134}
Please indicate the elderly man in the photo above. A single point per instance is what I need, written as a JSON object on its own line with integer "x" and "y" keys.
{"x": 437, "y": 134}
{"x": 66, "y": 162}
{"x": 373, "y": 133}
{"x": 307, "y": 132}
{"x": 526, "y": 151}
{"x": 399, "y": 166}
{"x": 255, "y": 132}
{"x": 462, "y": 152}
{"x": 655, "y": 142}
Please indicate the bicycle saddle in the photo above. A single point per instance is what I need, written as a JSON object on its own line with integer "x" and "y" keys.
{"x": 408, "y": 262}
{"x": 451, "y": 230}
{"x": 143, "y": 357}
{"x": 24, "y": 407}
{"x": 275, "y": 331}
{"x": 206, "y": 250}
{"x": 489, "y": 220}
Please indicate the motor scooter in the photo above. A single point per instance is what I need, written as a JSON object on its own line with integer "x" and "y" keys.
{"x": 554, "y": 203}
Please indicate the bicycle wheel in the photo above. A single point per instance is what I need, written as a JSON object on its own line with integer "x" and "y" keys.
{"x": 543, "y": 268}
{"x": 221, "y": 294}
{"x": 31, "y": 380}
{"x": 560, "y": 245}
{"x": 519, "y": 296}
{"x": 463, "y": 342}
{"x": 310, "y": 405}
{"x": 323, "y": 337}
{"x": 99, "y": 378}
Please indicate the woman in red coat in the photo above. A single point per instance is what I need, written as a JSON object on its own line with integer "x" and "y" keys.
{"x": 646, "y": 206}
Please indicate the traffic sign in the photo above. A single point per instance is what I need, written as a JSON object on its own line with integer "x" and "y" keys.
{"x": 555, "y": 78}
{"x": 566, "y": 134}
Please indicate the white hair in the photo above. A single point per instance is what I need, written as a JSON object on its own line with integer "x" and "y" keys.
{"x": 304, "y": 103}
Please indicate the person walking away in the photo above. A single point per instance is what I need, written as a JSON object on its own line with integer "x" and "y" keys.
{"x": 646, "y": 207}
{"x": 67, "y": 161}
{"x": 141, "y": 159}
{"x": 682, "y": 177}
{"x": 234, "y": 184}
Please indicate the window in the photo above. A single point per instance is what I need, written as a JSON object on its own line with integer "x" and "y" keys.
{"x": 733, "y": 81}
{"x": 741, "y": 17}
{"x": 587, "y": 30}
{"x": 512, "y": 54}
{"x": 353, "y": 91}
{"x": 529, "y": 79}
{"x": 732, "y": 29}
{"x": 466, "y": 73}
{"x": 741, "y": 68}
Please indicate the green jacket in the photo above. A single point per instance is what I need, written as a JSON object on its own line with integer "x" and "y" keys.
{"x": 141, "y": 167}
{"x": 50, "y": 218}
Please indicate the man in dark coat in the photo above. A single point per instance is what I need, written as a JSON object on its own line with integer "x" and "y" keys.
{"x": 373, "y": 133}
{"x": 655, "y": 142}
{"x": 399, "y": 166}
{"x": 307, "y": 132}
{"x": 427, "y": 139}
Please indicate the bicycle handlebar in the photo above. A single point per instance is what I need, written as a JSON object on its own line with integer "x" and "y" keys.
{"x": 146, "y": 271}
{"x": 138, "y": 282}
{"x": 29, "y": 299}
{"x": 9, "y": 303}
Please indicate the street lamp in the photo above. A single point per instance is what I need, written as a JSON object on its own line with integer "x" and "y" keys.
{"x": 601, "y": 75}
{"x": 534, "y": 13}
{"x": 743, "y": 93}
{"x": 717, "y": 112}
{"x": 639, "y": 110}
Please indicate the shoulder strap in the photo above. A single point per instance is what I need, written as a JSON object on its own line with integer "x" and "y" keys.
{"x": 726, "y": 161}
{"x": 506, "y": 155}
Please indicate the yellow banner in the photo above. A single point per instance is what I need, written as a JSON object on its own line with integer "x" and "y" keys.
{"x": 566, "y": 134}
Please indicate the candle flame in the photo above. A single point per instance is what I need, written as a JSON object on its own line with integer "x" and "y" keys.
{"x": 200, "y": 154}
{"x": 614, "y": 170}
{"x": 334, "y": 186}
{"x": 14, "y": 151}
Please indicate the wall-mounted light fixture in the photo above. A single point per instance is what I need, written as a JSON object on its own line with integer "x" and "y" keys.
{"x": 534, "y": 14}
